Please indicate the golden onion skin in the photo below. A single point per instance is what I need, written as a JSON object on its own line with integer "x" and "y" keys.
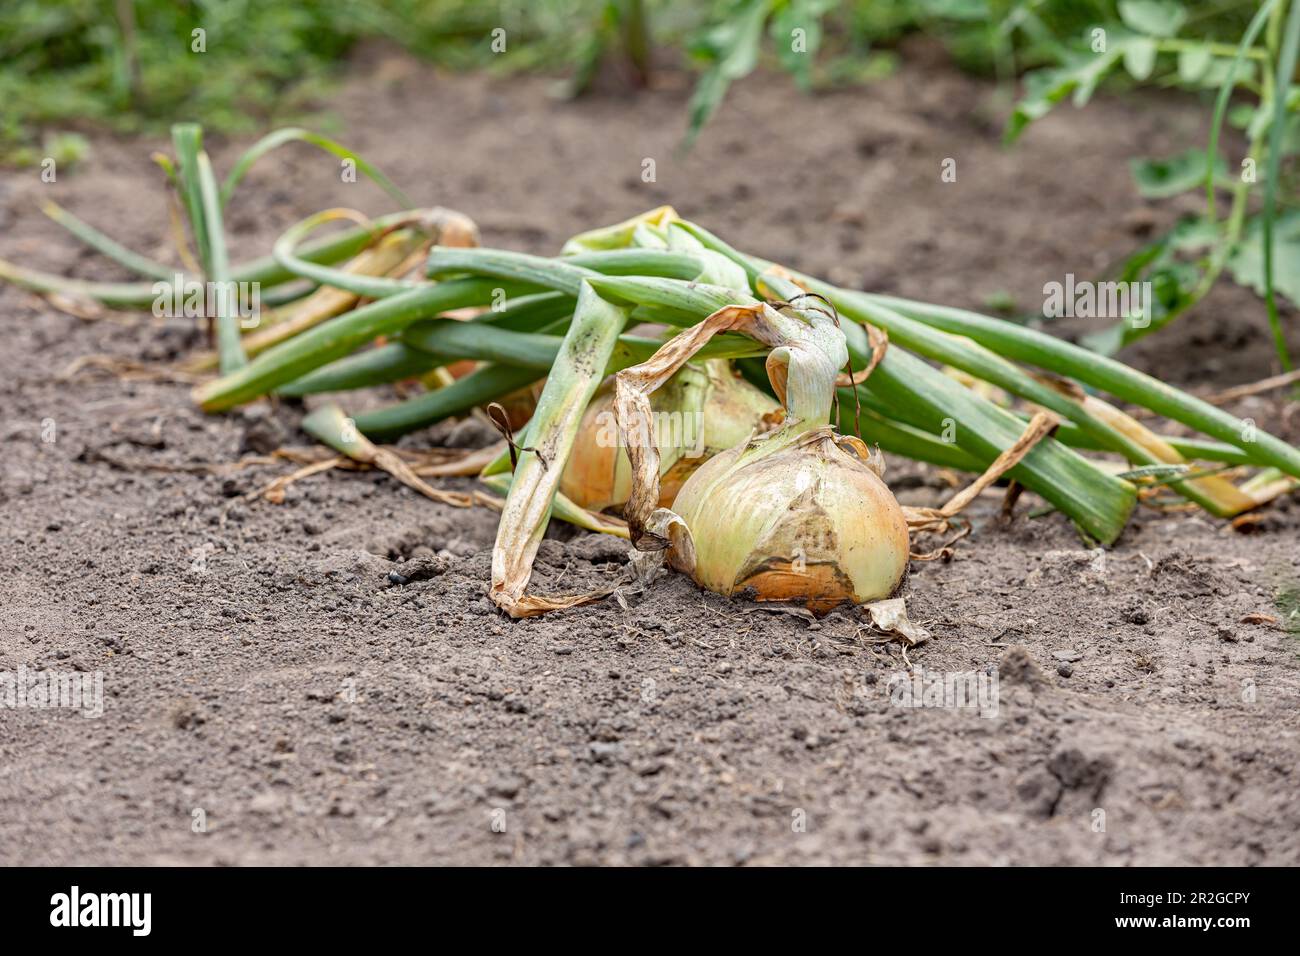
{"x": 767, "y": 517}
{"x": 591, "y": 474}
{"x": 599, "y": 474}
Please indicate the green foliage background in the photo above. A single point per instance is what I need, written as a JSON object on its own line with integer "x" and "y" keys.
{"x": 128, "y": 64}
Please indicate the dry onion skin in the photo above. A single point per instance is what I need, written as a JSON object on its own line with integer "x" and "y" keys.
{"x": 705, "y": 408}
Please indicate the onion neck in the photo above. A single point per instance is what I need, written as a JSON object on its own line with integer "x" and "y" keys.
{"x": 803, "y": 370}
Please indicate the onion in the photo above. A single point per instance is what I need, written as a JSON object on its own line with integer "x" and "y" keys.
{"x": 802, "y": 518}
{"x": 798, "y": 514}
{"x": 705, "y": 408}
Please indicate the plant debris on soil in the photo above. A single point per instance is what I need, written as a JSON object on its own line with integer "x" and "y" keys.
{"x": 325, "y": 680}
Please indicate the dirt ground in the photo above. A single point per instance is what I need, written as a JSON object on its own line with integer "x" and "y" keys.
{"x": 271, "y": 696}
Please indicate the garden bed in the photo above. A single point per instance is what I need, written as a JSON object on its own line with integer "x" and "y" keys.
{"x": 327, "y": 682}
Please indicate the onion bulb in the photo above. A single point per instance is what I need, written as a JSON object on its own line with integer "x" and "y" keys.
{"x": 806, "y": 520}
{"x": 702, "y": 410}
{"x": 799, "y": 514}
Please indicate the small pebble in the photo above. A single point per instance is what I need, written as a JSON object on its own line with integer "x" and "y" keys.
{"x": 506, "y": 785}
{"x": 1065, "y": 670}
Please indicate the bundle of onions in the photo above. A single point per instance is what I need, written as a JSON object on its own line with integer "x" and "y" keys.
{"x": 796, "y": 513}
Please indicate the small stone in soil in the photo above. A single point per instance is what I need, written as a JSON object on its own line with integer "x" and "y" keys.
{"x": 506, "y": 786}
{"x": 1065, "y": 670}
{"x": 263, "y": 434}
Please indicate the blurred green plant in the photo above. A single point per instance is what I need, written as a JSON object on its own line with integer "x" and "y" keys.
{"x": 729, "y": 47}
{"x": 136, "y": 65}
{"x": 825, "y": 42}
{"x": 1152, "y": 41}
{"x": 133, "y": 66}
{"x": 1288, "y": 604}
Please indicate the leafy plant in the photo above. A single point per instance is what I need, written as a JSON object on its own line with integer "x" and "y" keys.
{"x": 846, "y": 35}
{"x": 135, "y": 65}
{"x": 1258, "y": 249}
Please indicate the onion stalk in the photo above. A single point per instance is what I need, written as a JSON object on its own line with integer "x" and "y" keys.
{"x": 587, "y": 348}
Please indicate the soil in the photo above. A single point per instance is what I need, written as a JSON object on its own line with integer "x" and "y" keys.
{"x": 273, "y": 694}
